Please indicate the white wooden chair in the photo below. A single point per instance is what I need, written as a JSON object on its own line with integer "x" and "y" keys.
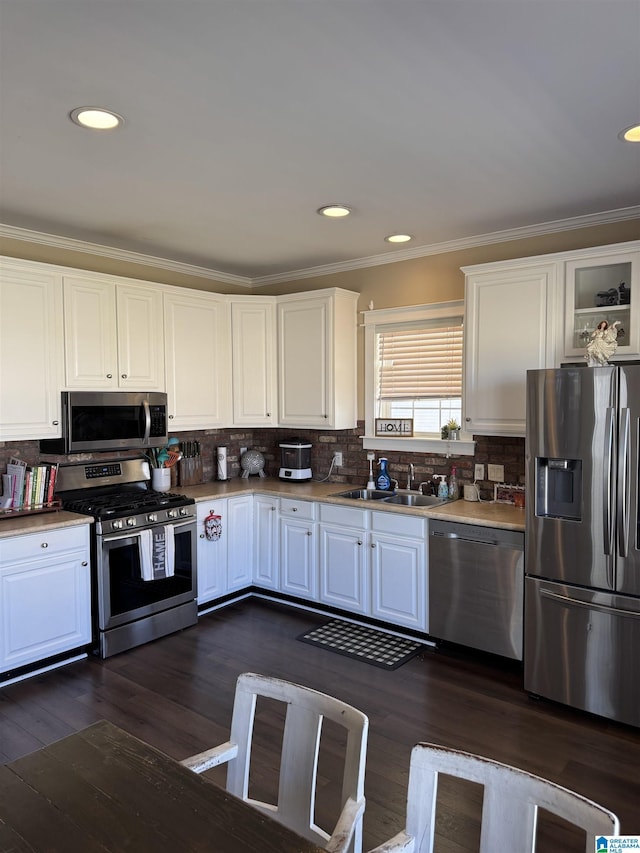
{"x": 305, "y": 711}
{"x": 510, "y": 804}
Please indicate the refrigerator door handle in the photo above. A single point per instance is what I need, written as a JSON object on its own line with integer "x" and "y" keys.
{"x": 607, "y": 513}
{"x": 623, "y": 483}
{"x": 601, "y": 608}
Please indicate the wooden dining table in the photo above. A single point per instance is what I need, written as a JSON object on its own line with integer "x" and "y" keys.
{"x": 101, "y": 789}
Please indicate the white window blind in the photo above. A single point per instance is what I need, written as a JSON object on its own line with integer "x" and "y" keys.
{"x": 420, "y": 363}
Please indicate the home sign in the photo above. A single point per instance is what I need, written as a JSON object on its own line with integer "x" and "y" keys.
{"x": 399, "y": 427}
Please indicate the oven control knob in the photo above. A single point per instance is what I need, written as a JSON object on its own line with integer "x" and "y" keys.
{"x": 117, "y": 525}
{"x": 172, "y": 513}
{"x": 153, "y": 516}
{"x": 184, "y": 511}
{"x": 131, "y": 522}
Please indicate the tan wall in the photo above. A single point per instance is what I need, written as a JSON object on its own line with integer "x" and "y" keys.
{"x": 435, "y": 278}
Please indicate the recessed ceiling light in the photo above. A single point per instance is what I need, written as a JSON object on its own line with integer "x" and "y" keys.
{"x": 630, "y": 134}
{"x": 398, "y": 238}
{"x": 334, "y": 211}
{"x": 95, "y": 118}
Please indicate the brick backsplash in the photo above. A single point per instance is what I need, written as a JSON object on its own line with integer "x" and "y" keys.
{"x": 355, "y": 470}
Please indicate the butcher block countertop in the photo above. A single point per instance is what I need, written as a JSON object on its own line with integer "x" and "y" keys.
{"x": 482, "y": 513}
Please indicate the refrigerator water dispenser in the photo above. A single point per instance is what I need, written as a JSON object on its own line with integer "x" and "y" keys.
{"x": 559, "y": 488}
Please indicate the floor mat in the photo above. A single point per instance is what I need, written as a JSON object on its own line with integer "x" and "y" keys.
{"x": 362, "y": 643}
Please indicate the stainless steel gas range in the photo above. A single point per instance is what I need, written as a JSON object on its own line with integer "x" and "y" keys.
{"x": 143, "y": 551}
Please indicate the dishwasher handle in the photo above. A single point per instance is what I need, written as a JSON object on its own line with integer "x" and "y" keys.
{"x": 480, "y": 540}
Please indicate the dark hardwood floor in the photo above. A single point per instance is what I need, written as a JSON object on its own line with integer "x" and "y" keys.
{"x": 177, "y": 694}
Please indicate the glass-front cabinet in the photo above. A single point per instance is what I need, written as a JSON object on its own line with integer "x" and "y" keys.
{"x": 603, "y": 287}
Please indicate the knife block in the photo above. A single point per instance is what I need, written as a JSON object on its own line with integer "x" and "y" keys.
{"x": 190, "y": 471}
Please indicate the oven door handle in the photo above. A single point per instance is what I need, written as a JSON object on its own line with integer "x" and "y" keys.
{"x": 135, "y": 534}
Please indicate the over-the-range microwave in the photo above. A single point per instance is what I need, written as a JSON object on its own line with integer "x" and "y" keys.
{"x": 110, "y": 420}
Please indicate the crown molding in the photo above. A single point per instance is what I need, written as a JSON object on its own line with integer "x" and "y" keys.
{"x": 72, "y": 245}
{"x": 591, "y": 219}
{"x": 571, "y": 224}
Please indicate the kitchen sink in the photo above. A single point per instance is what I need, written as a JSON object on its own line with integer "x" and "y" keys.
{"x": 415, "y": 500}
{"x": 396, "y": 498}
{"x": 363, "y": 495}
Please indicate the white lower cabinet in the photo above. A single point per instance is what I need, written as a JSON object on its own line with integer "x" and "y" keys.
{"x": 266, "y": 550}
{"x": 399, "y": 570}
{"x": 298, "y": 549}
{"x": 225, "y": 550}
{"x": 240, "y": 544}
{"x": 212, "y": 552}
{"x": 45, "y": 595}
{"x": 344, "y": 567}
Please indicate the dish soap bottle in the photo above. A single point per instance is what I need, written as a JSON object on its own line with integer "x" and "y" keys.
{"x": 453, "y": 485}
{"x": 383, "y": 480}
{"x": 443, "y": 489}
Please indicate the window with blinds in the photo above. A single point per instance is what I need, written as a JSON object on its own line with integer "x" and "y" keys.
{"x": 419, "y": 373}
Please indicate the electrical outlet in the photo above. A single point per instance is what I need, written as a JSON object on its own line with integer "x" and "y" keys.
{"x": 243, "y": 450}
{"x": 371, "y": 457}
{"x": 496, "y": 473}
{"x": 337, "y": 458}
{"x": 478, "y": 473}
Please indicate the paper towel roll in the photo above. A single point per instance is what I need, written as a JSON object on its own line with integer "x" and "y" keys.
{"x": 222, "y": 463}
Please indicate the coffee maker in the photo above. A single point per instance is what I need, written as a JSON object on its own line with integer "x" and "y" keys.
{"x": 295, "y": 460}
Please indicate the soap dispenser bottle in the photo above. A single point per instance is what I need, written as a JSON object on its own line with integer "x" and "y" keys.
{"x": 443, "y": 489}
{"x": 383, "y": 480}
{"x": 453, "y": 485}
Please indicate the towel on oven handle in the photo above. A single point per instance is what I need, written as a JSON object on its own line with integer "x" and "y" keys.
{"x": 157, "y": 553}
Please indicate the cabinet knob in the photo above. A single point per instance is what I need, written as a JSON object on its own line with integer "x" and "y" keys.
{"x": 308, "y": 533}
{"x": 109, "y": 376}
{"x": 44, "y": 544}
{"x": 359, "y": 541}
{"x": 467, "y": 419}
{"x": 294, "y": 509}
{"x": 268, "y": 414}
{"x": 202, "y": 535}
{"x": 124, "y": 375}
{"x": 84, "y": 563}
{"x": 55, "y": 423}
{"x": 325, "y": 416}
{"x": 170, "y": 417}
{"x": 272, "y": 508}
{"x": 373, "y": 544}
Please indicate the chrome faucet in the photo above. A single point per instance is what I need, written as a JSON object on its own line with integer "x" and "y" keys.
{"x": 410, "y": 476}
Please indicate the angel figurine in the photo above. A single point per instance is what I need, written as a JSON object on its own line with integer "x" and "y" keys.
{"x": 603, "y": 343}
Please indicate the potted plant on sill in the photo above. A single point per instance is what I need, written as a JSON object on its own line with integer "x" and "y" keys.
{"x": 451, "y": 430}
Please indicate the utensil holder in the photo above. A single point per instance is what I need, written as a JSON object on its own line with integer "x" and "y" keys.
{"x": 161, "y": 479}
{"x": 190, "y": 471}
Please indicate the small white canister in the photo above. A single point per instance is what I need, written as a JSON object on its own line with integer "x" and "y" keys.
{"x": 471, "y": 493}
{"x": 161, "y": 479}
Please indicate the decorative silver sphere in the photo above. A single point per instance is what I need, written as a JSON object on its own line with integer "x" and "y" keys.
{"x": 252, "y": 462}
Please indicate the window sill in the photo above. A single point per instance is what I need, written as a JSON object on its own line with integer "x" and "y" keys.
{"x": 462, "y": 447}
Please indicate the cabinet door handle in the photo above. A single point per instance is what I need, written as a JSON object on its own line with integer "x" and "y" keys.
{"x": 170, "y": 417}
{"x": 202, "y": 535}
{"x": 268, "y": 414}
{"x": 294, "y": 509}
{"x": 109, "y": 376}
{"x": 308, "y": 533}
{"x": 44, "y": 545}
{"x": 55, "y": 423}
{"x": 84, "y": 563}
{"x": 272, "y": 508}
{"x": 467, "y": 419}
{"x": 359, "y": 542}
{"x": 373, "y": 544}
{"x": 124, "y": 375}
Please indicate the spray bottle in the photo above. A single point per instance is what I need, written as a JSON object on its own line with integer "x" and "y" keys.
{"x": 453, "y": 485}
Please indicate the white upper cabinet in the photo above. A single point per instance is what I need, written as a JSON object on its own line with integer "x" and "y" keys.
{"x": 317, "y": 359}
{"x": 510, "y": 326}
{"x": 603, "y": 284}
{"x": 31, "y": 353}
{"x": 113, "y": 335}
{"x": 198, "y": 359}
{"x": 253, "y": 332}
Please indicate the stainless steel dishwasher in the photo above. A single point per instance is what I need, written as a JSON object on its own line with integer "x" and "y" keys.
{"x": 476, "y": 586}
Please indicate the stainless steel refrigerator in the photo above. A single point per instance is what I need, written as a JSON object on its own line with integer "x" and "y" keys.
{"x": 582, "y": 543}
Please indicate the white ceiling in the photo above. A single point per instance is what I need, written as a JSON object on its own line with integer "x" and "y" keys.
{"x": 446, "y": 120}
